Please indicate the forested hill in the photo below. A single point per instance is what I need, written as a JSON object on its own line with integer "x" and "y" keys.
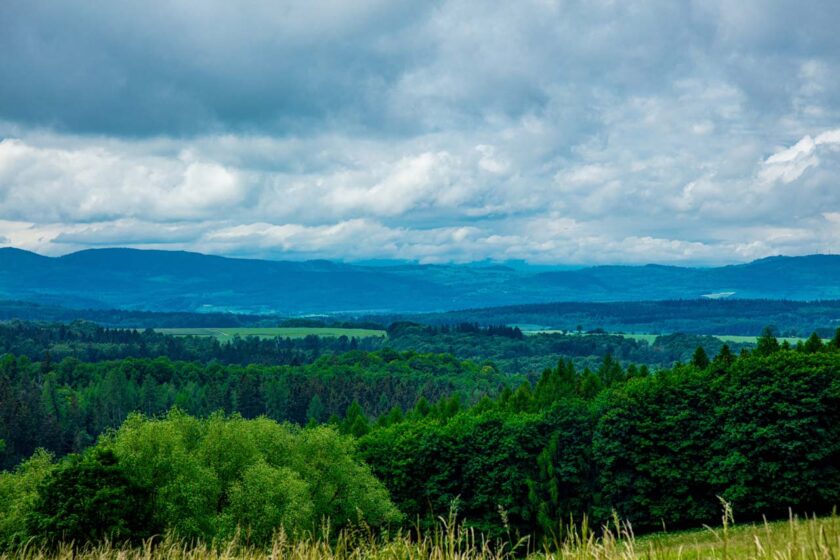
{"x": 181, "y": 281}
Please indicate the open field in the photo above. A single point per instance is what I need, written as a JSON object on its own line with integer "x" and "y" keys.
{"x": 724, "y": 337}
{"x": 650, "y": 338}
{"x": 813, "y": 539}
{"x": 272, "y": 332}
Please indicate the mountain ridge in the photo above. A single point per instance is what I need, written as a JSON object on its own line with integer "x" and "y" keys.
{"x": 157, "y": 280}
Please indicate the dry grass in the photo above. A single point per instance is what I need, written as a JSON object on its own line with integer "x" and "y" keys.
{"x": 811, "y": 539}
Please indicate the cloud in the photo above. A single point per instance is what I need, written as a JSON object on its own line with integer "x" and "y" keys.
{"x": 95, "y": 183}
{"x": 550, "y": 131}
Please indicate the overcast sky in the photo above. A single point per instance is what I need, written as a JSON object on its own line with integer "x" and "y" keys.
{"x": 549, "y": 131}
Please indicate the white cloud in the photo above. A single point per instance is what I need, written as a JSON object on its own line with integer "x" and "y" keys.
{"x": 91, "y": 183}
{"x": 548, "y": 131}
{"x": 432, "y": 206}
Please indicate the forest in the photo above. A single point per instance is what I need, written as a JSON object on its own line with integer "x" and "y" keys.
{"x": 506, "y": 347}
{"x": 390, "y": 440}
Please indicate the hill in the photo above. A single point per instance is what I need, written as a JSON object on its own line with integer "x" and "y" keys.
{"x": 183, "y": 281}
{"x": 743, "y": 317}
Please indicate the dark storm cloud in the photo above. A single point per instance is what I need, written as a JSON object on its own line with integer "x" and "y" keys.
{"x": 158, "y": 67}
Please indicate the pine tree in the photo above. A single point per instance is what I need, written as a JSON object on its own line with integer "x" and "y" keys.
{"x": 724, "y": 358}
{"x": 315, "y": 410}
{"x": 814, "y": 344}
{"x": 767, "y": 343}
{"x": 700, "y": 360}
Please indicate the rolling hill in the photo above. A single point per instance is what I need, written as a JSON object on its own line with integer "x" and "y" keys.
{"x": 183, "y": 281}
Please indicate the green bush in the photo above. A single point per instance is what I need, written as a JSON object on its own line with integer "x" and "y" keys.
{"x": 89, "y": 498}
{"x": 18, "y": 495}
{"x": 216, "y": 475}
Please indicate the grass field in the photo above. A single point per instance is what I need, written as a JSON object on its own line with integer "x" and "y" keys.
{"x": 724, "y": 337}
{"x": 272, "y": 332}
{"x": 813, "y": 539}
{"x": 650, "y": 338}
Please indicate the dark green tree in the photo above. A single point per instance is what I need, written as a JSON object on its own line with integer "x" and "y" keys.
{"x": 315, "y": 409}
{"x": 767, "y": 343}
{"x": 814, "y": 344}
{"x": 700, "y": 360}
{"x": 835, "y": 341}
{"x": 724, "y": 358}
{"x": 88, "y": 499}
{"x": 355, "y": 422}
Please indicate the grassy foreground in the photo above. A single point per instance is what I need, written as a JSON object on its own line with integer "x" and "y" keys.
{"x": 813, "y": 539}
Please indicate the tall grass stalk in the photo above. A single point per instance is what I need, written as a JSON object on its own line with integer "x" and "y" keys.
{"x": 796, "y": 539}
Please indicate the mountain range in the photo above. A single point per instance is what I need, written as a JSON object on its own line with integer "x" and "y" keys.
{"x": 184, "y": 281}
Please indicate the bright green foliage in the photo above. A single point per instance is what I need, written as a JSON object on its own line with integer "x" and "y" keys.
{"x": 207, "y": 478}
{"x": 213, "y": 475}
{"x": 89, "y": 498}
{"x": 18, "y": 496}
{"x": 265, "y": 498}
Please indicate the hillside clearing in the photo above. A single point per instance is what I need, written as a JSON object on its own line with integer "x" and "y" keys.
{"x": 650, "y": 338}
{"x": 226, "y": 333}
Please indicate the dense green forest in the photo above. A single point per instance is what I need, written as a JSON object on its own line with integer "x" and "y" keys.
{"x": 417, "y": 435}
{"x": 515, "y": 353}
{"x": 46, "y": 312}
{"x": 63, "y": 406}
{"x": 507, "y": 347}
{"x": 762, "y": 431}
{"x": 91, "y": 343}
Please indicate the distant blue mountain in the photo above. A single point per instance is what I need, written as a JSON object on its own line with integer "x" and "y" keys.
{"x": 183, "y": 281}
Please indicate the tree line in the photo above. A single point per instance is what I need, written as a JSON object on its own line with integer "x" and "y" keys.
{"x": 505, "y": 346}
{"x": 90, "y": 342}
{"x": 62, "y": 406}
{"x": 760, "y": 429}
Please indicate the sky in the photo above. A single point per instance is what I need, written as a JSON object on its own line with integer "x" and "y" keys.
{"x": 545, "y": 131}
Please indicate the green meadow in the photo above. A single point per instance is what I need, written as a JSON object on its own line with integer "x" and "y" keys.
{"x": 650, "y": 337}
{"x": 272, "y": 332}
